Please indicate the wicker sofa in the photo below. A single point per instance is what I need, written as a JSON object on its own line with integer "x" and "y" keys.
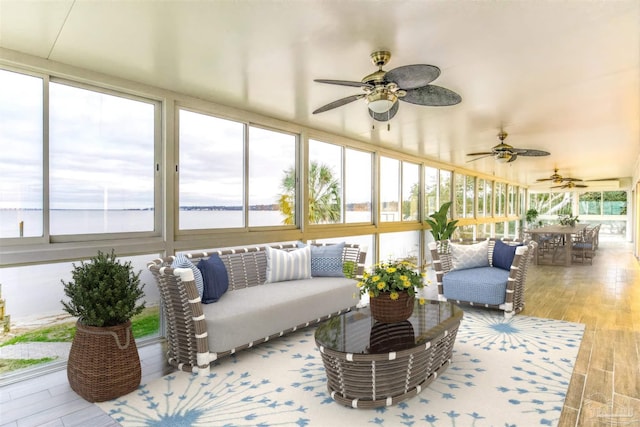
{"x": 251, "y": 311}
{"x": 497, "y": 281}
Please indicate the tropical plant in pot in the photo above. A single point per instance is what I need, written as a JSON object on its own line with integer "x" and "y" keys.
{"x": 392, "y": 286}
{"x": 441, "y": 227}
{"x": 104, "y": 294}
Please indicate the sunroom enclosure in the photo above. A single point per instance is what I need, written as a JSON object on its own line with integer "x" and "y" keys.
{"x": 94, "y": 163}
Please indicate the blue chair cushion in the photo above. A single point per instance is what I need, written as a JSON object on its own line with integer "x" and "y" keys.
{"x": 482, "y": 285}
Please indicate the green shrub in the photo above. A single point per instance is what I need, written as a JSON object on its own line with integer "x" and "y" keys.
{"x": 103, "y": 292}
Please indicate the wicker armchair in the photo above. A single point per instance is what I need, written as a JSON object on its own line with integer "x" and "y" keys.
{"x": 513, "y": 299}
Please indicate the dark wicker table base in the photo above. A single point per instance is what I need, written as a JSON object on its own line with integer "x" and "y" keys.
{"x": 376, "y": 380}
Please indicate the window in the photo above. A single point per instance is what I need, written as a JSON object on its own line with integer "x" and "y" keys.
{"x": 21, "y": 158}
{"x": 211, "y": 184}
{"x": 273, "y": 177}
{"x": 469, "y": 195}
{"x": 410, "y": 191}
{"x": 101, "y": 162}
{"x": 445, "y": 188}
{"x": 358, "y": 186}
{"x": 482, "y": 203}
{"x": 389, "y": 189}
{"x": 430, "y": 190}
{"x": 501, "y": 196}
{"x": 325, "y": 183}
{"x": 614, "y": 202}
{"x": 590, "y": 203}
{"x": 404, "y": 245}
{"x": 512, "y": 199}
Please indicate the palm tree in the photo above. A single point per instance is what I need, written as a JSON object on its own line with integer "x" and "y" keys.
{"x": 324, "y": 195}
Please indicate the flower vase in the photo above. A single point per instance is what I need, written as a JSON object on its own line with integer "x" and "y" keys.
{"x": 386, "y": 310}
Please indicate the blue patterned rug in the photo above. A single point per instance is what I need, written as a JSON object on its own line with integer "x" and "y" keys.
{"x": 504, "y": 373}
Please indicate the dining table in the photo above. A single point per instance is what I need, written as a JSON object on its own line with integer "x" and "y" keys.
{"x": 566, "y": 233}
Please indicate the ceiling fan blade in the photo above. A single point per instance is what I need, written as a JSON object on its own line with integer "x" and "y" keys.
{"x": 544, "y": 179}
{"x": 478, "y": 158}
{"x": 530, "y": 152}
{"x": 432, "y": 95}
{"x": 580, "y": 186}
{"x": 345, "y": 83}
{"x": 339, "y": 103}
{"x": 480, "y": 154}
{"x": 513, "y": 158}
{"x": 383, "y": 117}
{"x": 571, "y": 179}
{"x": 413, "y": 76}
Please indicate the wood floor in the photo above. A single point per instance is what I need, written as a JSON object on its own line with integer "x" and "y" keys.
{"x": 605, "y": 296}
{"x": 604, "y": 389}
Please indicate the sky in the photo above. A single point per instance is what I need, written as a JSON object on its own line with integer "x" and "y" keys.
{"x": 101, "y": 152}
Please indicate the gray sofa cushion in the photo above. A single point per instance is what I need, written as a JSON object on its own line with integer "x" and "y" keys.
{"x": 483, "y": 285}
{"x": 246, "y": 315}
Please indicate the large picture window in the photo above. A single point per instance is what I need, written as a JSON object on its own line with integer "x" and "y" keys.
{"x": 325, "y": 183}
{"x": 21, "y": 154}
{"x": 358, "y": 186}
{"x": 211, "y": 172}
{"x": 101, "y": 162}
{"x": 273, "y": 178}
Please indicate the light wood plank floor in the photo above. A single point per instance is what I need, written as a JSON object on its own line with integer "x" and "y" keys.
{"x": 604, "y": 296}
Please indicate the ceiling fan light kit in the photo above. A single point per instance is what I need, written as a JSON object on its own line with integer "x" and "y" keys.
{"x": 382, "y": 89}
{"x": 381, "y": 101}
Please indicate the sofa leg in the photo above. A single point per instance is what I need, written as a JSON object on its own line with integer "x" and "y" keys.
{"x": 509, "y": 314}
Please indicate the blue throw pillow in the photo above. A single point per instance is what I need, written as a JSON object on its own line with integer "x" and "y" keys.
{"x": 216, "y": 280}
{"x": 181, "y": 261}
{"x": 503, "y": 255}
{"x": 326, "y": 261}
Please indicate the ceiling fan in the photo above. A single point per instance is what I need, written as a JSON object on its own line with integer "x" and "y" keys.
{"x": 569, "y": 185}
{"x": 505, "y": 153}
{"x": 557, "y": 179}
{"x": 382, "y": 89}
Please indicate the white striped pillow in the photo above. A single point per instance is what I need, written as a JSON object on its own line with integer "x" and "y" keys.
{"x": 283, "y": 265}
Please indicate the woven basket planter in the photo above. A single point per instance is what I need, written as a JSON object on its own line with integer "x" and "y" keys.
{"x": 103, "y": 362}
{"x": 386, "y": 310}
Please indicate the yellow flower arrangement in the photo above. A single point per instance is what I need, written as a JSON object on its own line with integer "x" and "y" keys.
{"x": 392, "y": 277}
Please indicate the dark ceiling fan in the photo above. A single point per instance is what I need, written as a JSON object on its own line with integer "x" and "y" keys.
{"x": 506, "y": 153}
{"x": 570, "y": 185}
{"x": 382, "y": 89}
{"x": 557, "y": 178}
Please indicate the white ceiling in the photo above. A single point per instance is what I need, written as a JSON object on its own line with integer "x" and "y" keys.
{"x": 559, "y": 76}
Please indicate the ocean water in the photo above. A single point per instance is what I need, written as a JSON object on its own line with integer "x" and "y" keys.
{"x": 67, "y": 222}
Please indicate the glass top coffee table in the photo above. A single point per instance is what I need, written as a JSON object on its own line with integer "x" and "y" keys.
{"x": 370, "y": 364}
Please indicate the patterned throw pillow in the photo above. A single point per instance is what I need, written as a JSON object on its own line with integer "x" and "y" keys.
{"x": 283, "y": 265}
{"x": 469, "y": 256}
{"x": 181, "y": 261}
{"x": 326, "y": 261}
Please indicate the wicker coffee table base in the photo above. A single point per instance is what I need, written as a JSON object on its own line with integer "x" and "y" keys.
{"x": 376, "y": 380}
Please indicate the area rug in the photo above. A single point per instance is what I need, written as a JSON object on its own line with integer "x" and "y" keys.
{"x": 504, "y": 373}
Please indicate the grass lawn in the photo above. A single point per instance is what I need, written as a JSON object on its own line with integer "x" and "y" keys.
{"x": 145, "y": 324}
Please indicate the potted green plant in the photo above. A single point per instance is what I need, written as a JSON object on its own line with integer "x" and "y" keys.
{"x": 568, "y": 220}
{"x": 531, "y": 215}
{"x": 103, "y": 294}
{"x": 441, "y": 227}
{"x": 392, "y": 286}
